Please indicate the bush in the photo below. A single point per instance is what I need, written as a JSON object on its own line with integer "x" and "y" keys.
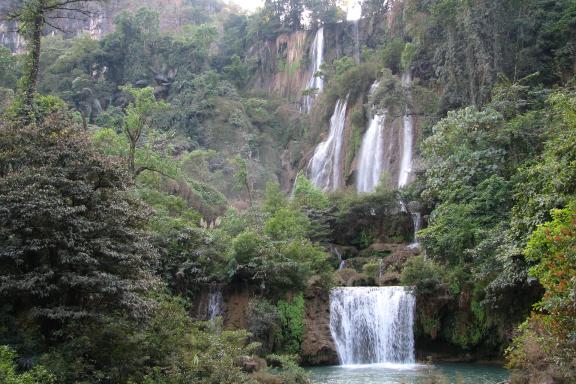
{"x": 247, "y": 245}
{"x": 8, "y": 374}
{"x": 424, "y": 274}
{"x": 291, "y": 314}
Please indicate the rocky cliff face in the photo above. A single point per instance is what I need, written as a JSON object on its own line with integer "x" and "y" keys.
{"x": 318, "y": 347}
{"x": 283, "y": 65}
{"x": 98, "y": 22}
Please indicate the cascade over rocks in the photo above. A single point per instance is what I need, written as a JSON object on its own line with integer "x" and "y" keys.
{"x": 373, "y": 325}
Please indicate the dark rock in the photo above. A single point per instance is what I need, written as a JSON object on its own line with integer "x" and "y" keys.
{"x": 248, "y": 364}
{"x": 141, "y": 84}
{"x": 318, "y": 347}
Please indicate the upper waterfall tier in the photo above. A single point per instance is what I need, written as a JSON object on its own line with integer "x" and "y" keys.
{"x": 407, "y": 138}
{"x": 371, "y": 157}
{"x": 372, "y": 325}
{"x": 316, "y": 61}
{"x": 325, "y": 168}
{"x": 371, "y": 165}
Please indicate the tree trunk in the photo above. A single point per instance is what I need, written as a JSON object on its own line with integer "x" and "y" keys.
{"x": 34, "y": 64}
{"x": 131, "y": 155}
{"x": 249, "y": 191}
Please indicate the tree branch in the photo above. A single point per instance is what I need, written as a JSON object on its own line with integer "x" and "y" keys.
{"x": 147, "y": 168}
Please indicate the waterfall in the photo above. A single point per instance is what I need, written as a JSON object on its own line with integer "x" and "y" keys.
{"x": 341, "y": 261}
{"x": 215, "y": 301}
{"x": 372, "y": 325}
{"x": 371, "y": 157}
{"x": 407, "y": 138}
{"x": 417, "y": 223}
{"x": 317, "y": 59}
{"x": 325, "y": 166}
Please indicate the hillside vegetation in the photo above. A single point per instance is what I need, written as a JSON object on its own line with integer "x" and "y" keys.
{"x": 144, "y": 168}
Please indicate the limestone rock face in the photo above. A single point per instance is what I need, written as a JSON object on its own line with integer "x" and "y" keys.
{"x": 236, "y": 315}
{"x": 318, "y": 347}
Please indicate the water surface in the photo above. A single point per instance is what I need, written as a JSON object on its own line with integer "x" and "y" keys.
{"x": 409, "y": 374}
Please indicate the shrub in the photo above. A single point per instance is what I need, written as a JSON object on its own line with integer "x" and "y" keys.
{"x": 291, "y": 314}
{"x": 424, "y": 274}
{"x": 9, "y": 375}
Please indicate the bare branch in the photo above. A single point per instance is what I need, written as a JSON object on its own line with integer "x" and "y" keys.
{"x": 146, "y": 168}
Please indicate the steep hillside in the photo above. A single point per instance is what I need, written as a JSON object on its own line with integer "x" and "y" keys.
{"x": 192, "y": 193}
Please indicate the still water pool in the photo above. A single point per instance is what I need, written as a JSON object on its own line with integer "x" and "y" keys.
{"x": 409, "y": 374}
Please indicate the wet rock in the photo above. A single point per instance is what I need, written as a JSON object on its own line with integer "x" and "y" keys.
{"x": 318, "y": 347}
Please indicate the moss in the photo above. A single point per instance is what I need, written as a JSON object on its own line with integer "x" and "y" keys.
{"x": 357, "y": 121}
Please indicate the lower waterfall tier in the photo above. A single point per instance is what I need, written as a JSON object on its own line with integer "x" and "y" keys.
{"x": 373, "y": 325}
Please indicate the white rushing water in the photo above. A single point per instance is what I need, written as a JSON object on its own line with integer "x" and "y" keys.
{"x": 317, "y": 59}
{"x": 417, "y": 223}
{"x": 354, "y": 10}
{"x": 215, "y": 301}
{"x": 373, "y": 325}
{"x": 407, "y": 138}
{"x": 341, "y": 261}
{"x": 371, "y": 157}
{"x": 325, "y": 166}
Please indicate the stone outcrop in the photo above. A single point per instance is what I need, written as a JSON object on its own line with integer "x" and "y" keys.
{"x": 318, "y": 347}
{"x": 282, "y": 64}
{"x": 236, "y": 314}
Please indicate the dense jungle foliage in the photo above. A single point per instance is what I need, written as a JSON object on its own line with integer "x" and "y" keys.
{"x": 141, "y": 169}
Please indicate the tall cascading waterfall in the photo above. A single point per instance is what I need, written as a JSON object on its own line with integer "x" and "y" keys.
{"x": 407, "y": 138}
{"x": 373, "y": 325}
{"x": 371, "y": 157}
{"x": 325, "y": 166}
{"x": 317, "y": 59}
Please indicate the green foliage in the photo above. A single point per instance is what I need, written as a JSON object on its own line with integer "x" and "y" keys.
{"x": 291, "y": 314}
{"x": 346, "y": 79}
{"x": 307, "y": 195}
{"x": 287, "y": 223}
{"x": 392, "y": 54}
{"x": 264, "y": 323}
{"x": 274, "y": 199}
{"x": 176, "y": 350}
{"x": 247, "y": 245}
{"x": 547, "y": 337}
{"x": 424, "y": 274}
{"x": 290, "y": 372}
{"x": 8, "y": 69}
{"x": 363, "y": 219}
{"x": 9, "y": 375}
{"x": 70, "y": 229}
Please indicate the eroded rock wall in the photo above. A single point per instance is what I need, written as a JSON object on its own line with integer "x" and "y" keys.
{"x": 318, "y": 347}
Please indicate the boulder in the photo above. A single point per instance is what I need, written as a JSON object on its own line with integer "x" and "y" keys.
{"x": 250, "y": 364}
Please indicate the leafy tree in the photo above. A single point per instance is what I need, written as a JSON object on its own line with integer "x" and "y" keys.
{"x": 242, "y": 177}
{"x": 545, "y": 344}
{"x": 32, "y": 16}
{"x": 71, "y": 232}
{"x": 287, "y": 223}
{"x": 323, "y": 12}
{"x": 137, "y": 124}
{"x": 128, "y": 51}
